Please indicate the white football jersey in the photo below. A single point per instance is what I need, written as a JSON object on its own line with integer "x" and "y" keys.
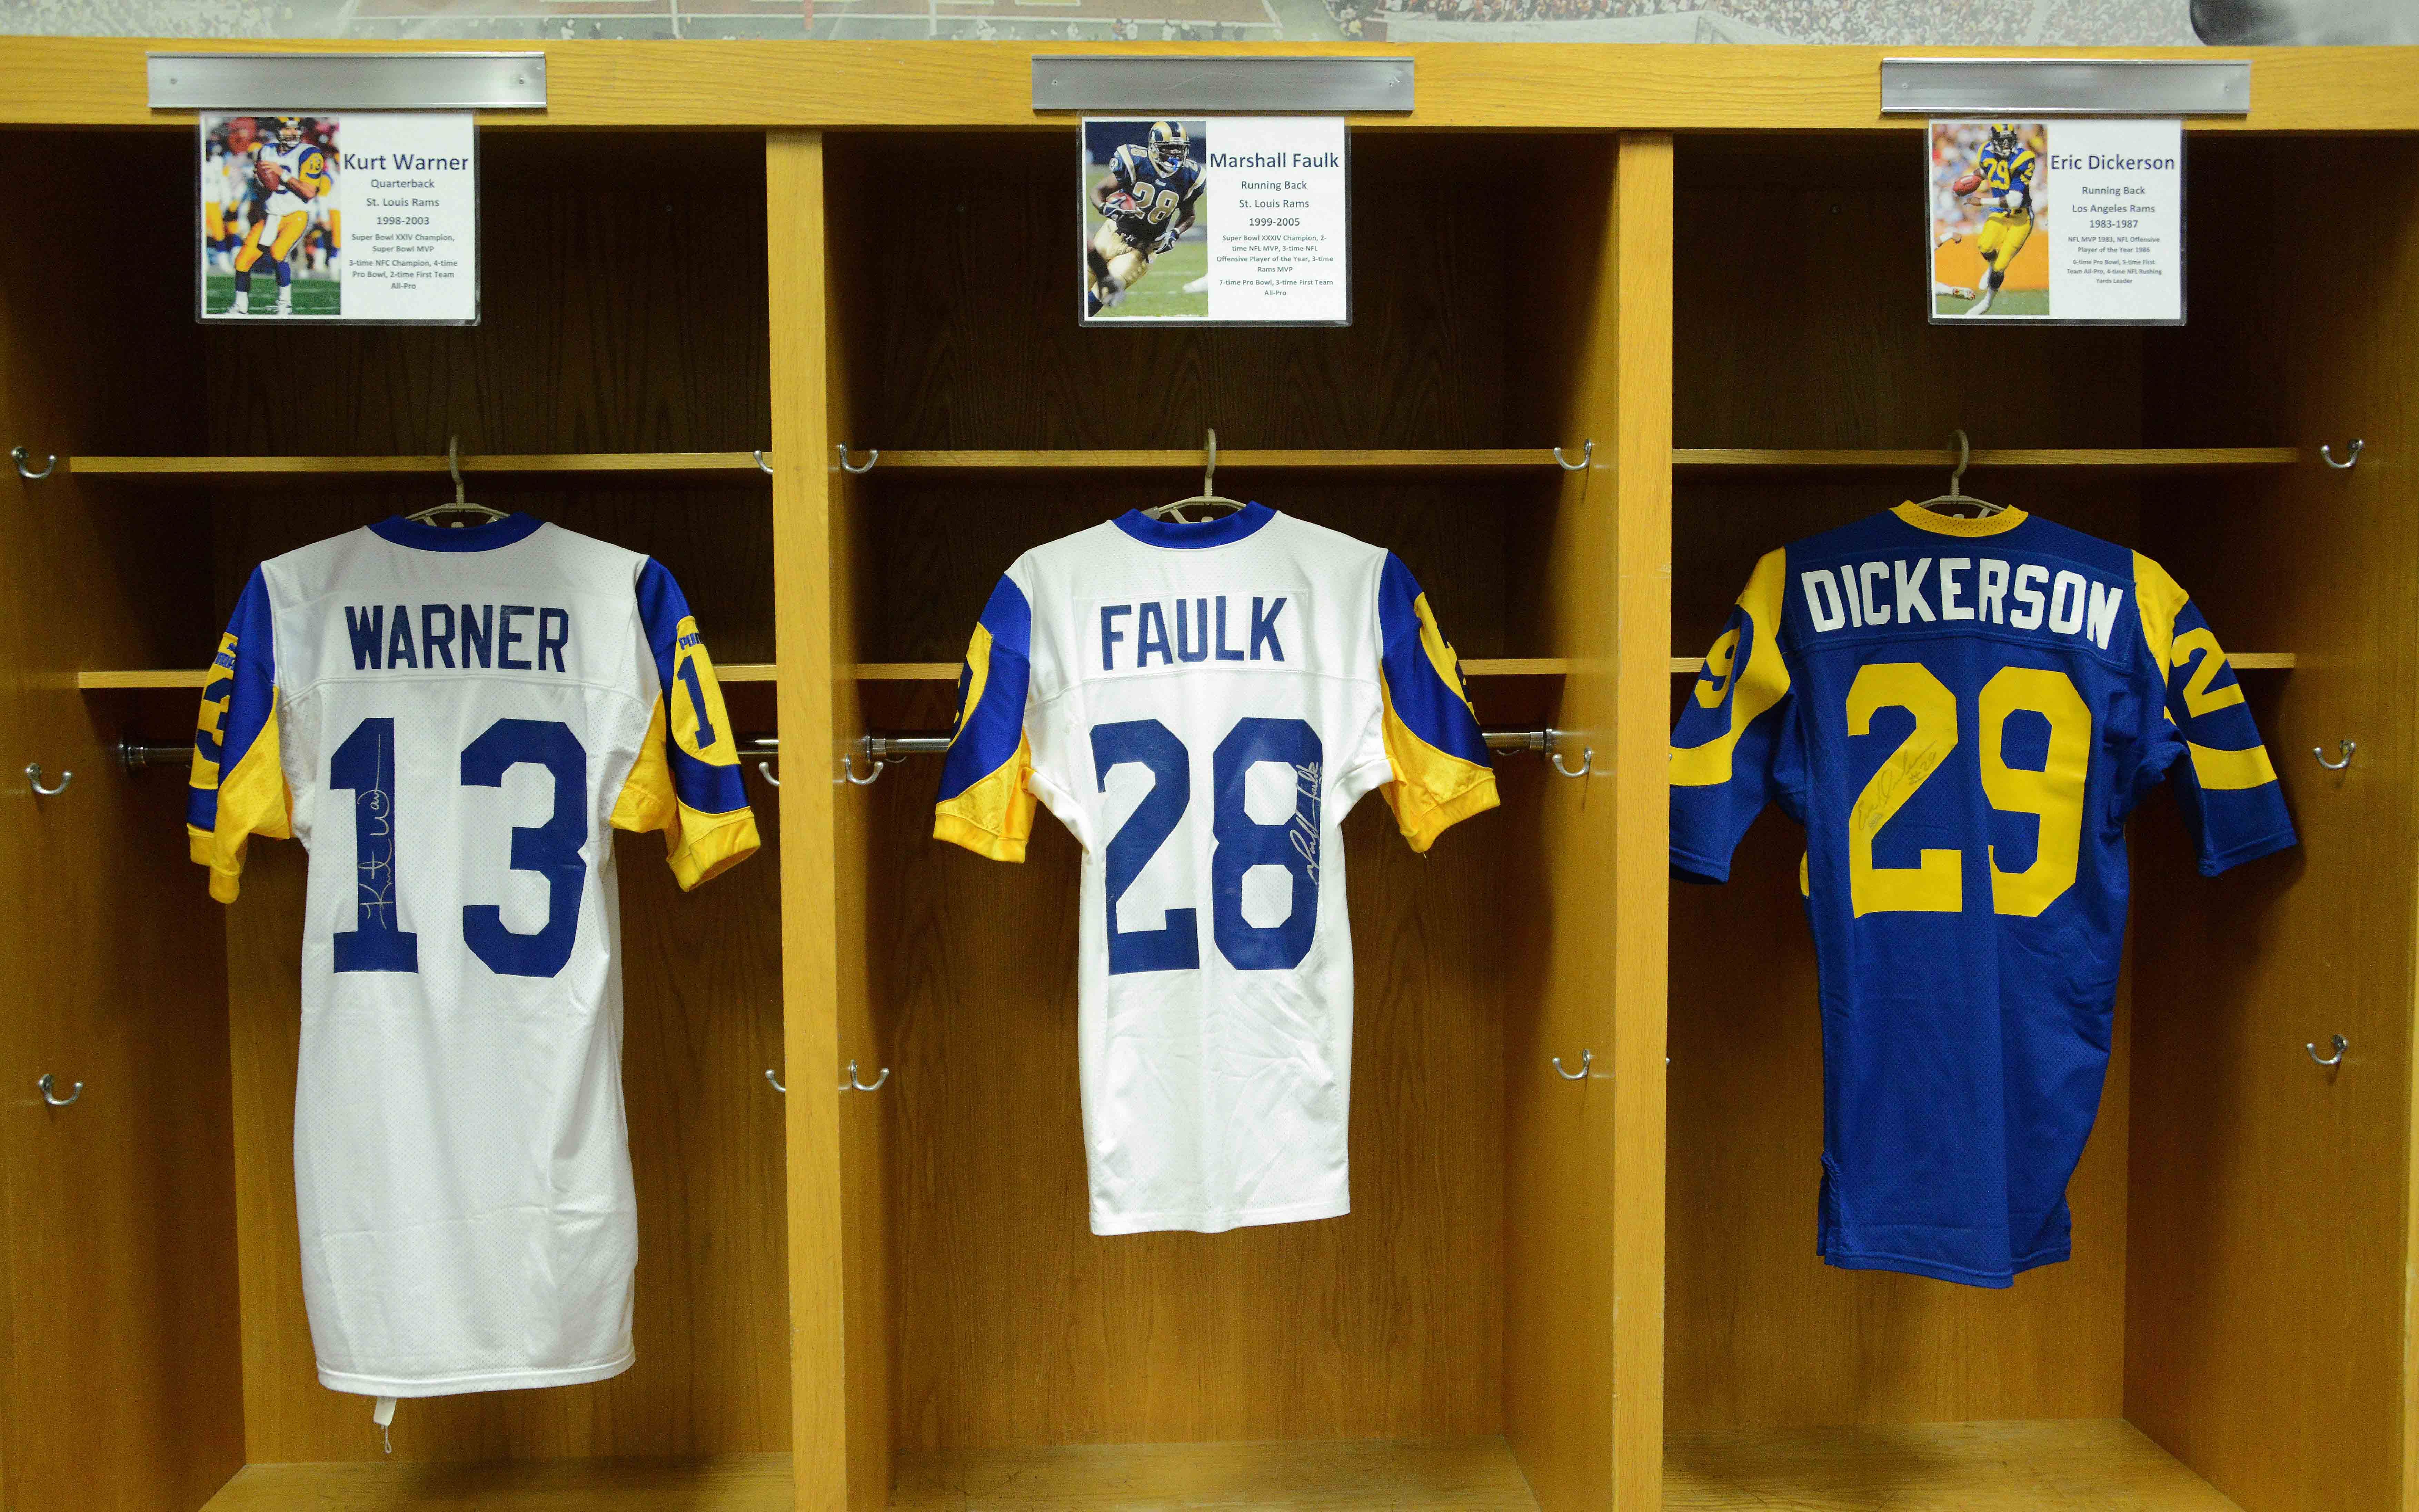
{"x": 450, "y": 722}
{"x": 1201, "y": 704}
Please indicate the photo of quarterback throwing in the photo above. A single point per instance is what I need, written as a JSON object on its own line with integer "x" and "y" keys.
{"x": 1986, "y": 206}
{"x": 268, "y": 208}
{"x": 1141, "y": 217}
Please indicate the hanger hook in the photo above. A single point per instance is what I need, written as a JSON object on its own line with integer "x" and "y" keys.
{"x": 51, "y": 1095}
{"x": 2326, "y": 452}
{"x": 34, "y": 775}
{"x": 1210, "y": 473}
{"x": 453, "y": 466}
{"x": 22, "y": 455}
{"x": 872, "y": 456}
{"x": 1587, "y": 1059}
{"x": 2341, "y": 1044}
{"x": 1587, "y": 455}
{"x": 1964, "y": 459}
{"x": 2346, "y": 747}
{"x": 853, "y": 1084}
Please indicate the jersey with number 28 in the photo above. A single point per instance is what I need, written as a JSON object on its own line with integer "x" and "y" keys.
{"x": 452, "y": 722}
{"x": 1200, "y": 704}
{"x": 1961, "y": 713}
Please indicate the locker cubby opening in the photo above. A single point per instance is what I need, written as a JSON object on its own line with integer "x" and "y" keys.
{"x": 621, "y": 315}
{"x": 2175, "y": 1354}
{"x": 999, "y": 1347}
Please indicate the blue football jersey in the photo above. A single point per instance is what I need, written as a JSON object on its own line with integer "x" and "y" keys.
{"x": 1961, "y": 713}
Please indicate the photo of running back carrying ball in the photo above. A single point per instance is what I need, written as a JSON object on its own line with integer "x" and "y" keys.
{"x": 1142, "y": 219}
{"x": 1989, "y": 254}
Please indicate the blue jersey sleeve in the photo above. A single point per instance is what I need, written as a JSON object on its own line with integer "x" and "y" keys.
{"x": 1438, "y": 754}
{"x": 237, "y": 788}
{"x": 2201, "y": 734}
{"x": 985, "y": 804}
{"x": 686, "y": 780}
{"x": 1727, "y": 746}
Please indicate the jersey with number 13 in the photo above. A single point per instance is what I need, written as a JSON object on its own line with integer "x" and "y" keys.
{"x": 453, "y": 722}
{"x": 1200, "y": 704}
{"x": 1961, "y": 713}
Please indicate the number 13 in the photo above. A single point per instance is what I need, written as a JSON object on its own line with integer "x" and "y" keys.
{"x": 2053, "y": 793}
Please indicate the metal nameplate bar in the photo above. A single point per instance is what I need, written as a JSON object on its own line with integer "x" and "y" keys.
{"x": 2026, "y": 88}
{"x": 348, "y": 80}
{"x": 1242, "y": 85}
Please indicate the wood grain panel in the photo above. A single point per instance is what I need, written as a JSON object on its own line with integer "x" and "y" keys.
{"x": 1477, "y": 1474}
{"x": 118, "y": 1386}
{"x": 100, "y": 81}
{"x": 964, "y": 353}
{"x": 2286, "y": 1407}
{"x": 1825, "y": 346}
{"x": 723, "y": 1483}
{"x": 1017, "y": 1326}
{"x": 823, "y": 1426}
{"x": 614, "y": 318}
{"x": 2077, "y": 1465}
{"x": 701, "y": 1010}
{"x": 1561, "y": 1224}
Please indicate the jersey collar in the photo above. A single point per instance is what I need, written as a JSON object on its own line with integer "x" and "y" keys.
{"x": 1924, "y": 519}
{"x": 1219, "y": 532}
{"x": 425, "y": 538}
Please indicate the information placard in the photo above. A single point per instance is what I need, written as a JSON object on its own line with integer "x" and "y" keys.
{"x": 2056, "y": 223}
{"x": 362, "y": 217}
{"x": 1225, "y": 220}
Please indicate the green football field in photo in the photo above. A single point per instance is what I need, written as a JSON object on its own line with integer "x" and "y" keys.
{"x": 2031, "y": 301}
{"x": 311, "y": 296}
{"x": 1162, "y": 289}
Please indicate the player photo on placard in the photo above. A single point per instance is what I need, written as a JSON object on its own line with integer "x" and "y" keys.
{"x": 1990, "y": 241}
{"x": 272, "y": 226}
{"x": 1144, "y": 221}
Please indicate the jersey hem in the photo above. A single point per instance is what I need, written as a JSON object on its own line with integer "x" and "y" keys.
{"x": 476, "y": 1381}
{"x": 2268, "y": 844}
{"x": 1941, "y": 1270}
{"x": 1218, "y": 1222}
{"x": 1476, "y": 798}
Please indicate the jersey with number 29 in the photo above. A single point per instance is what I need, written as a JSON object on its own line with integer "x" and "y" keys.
{"x": 1200, "y": 704}
{"x": 1961, "y": 713}
{"x": 452, "y": 722}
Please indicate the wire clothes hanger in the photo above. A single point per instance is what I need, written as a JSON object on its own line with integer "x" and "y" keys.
{"x": 461, "y": 505}
{"x": 1209, "y": 498}
{"x": 1956, "y": 498}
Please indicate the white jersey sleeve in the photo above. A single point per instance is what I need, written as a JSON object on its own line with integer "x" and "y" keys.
{"x": 452, "y": 722}
{"x": 1200, "y": 706}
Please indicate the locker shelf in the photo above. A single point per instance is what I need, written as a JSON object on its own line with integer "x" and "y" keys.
{"x": 170, "y": 469}
{"x": 2167, "y": 459}
{"x": 2242, "y": 661}
{"x": 716, "y": 1483}
{"x": 2022, "y": 1466}
{"x": 737, "y": 671}
{"x": 1475, "y": 1473}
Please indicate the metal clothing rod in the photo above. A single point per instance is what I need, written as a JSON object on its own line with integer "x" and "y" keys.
{"x": 888, "y": 747}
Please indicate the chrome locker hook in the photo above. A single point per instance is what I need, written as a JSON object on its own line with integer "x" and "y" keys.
{"x": 1587, "y": 455}
{"x": 1587, "y": 1059}
{"x": 764, "y": 769}
{"x": 34, "y": 775}
{"x": 766, "y": 467}
{"x": 50, "y": 1094}
{"x": 2346, "y": 747}
{"x": 1587, "y": 762}
{"x": 2341, "y": 1044}
{"x": 776, "y": 1081}
{"x": 2326, "y": 454}
{"x": 854, "y": 1085}
{"x": 21, "y": 455}
{"x": 872, "y": 456}
{"x": 848, "y": 770}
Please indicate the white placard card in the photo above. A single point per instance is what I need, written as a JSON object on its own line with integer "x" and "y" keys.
{"x": 2060, "y": 221}
{"x": 1225, "y": 220}
{"x": 356, "y": 217}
